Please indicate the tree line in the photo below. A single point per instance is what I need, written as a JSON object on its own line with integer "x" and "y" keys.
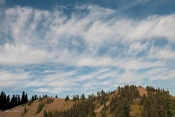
{"x": 156, "y": 103}
{"x": 82, "y": 107}
{"x": 120, "y": 103}
{"x": 7, "y": 103}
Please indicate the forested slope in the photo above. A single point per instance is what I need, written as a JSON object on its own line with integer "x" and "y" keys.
{"x": 124, "y": 102}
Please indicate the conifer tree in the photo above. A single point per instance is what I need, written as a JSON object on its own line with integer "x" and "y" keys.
{"x": 23, "y": 98}
{"x": 8, "y": 102}
{"x": 67, "y": 98}
{"x": 2, "y": 101}
{"x": 26, "y": 98}
{"x": 36, "y": 97}
{"x": 33, "y": 98}
{"x": 125, "y": 109}
{"x": 82, "y": 97}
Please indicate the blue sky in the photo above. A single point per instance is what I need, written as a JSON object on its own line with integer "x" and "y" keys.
{"x": 73, "y": 47}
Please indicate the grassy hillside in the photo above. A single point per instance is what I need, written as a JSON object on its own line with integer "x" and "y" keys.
{"x": 124, "y": 102}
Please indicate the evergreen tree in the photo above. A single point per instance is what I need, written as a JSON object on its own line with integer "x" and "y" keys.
{"x": 67, "y": 98}
{"x": 33, "y": 98}
{"x": 8, "y": 102}
{"x": 23, "y": 98}
{"x": 170, "y": 108}
{"x": 82, "y": 97}
{"x": 125, "y": 110}
{"x": 26, "y": 98}
{"x": 13, "y": 102}
{"x": 18, "y": 100}
{"x": 2, "y": 101}
{"x": 36, "y": 97}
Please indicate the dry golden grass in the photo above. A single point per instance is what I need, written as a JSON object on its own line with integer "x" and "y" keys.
{"x": 58, "y": 104}
{"x": 14, "y": 112}
{"x": 173, "y": 97}
{"x": 135, "y": 109}
{"x": 98, "y": 110}
{"x": 142, "y": 91}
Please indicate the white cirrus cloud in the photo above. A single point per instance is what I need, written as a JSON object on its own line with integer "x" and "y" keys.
{"x": 13, "y": 79}
{"x": 101, "y": 45}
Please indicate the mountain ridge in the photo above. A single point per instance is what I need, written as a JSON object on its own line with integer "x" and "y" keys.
{"x": 101, "y": 101}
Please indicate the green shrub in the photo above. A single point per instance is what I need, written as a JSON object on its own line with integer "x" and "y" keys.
{"x": 25, "y": 111}
{"x": 40, "y": 107}
{"x": 49, "y": 101}
{"x": 67, "y": 98}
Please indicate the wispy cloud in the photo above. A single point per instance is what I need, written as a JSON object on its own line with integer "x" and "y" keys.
{"x": 42, "y": 36}
{"x": 12, "y": 79}
{"x": 102, "y": 48}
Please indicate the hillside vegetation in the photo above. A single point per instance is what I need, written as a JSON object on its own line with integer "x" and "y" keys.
{"x": 127, "y": 101}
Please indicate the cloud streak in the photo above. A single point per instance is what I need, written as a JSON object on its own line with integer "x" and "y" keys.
{"x": 36, "y": 34}
{"x": 112, "y": 49}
